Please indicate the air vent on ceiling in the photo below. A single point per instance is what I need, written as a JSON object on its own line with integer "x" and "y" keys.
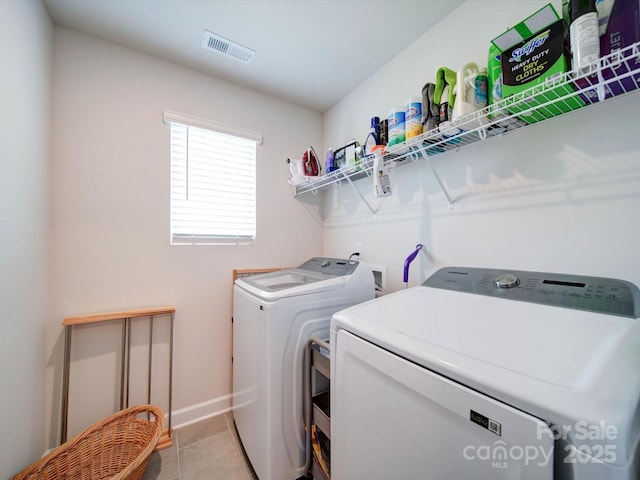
{"x": 221, "y": 45}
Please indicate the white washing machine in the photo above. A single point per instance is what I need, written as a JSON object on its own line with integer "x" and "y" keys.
{"x": 273, "y": 316}
{"x": 485, "y": 374}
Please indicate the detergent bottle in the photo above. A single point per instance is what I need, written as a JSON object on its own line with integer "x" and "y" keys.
{"x": 373, "y": 136}
{"x": 471, "y": 93}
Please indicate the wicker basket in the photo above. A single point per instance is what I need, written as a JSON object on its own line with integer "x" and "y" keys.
{"x": 115, "y": 448}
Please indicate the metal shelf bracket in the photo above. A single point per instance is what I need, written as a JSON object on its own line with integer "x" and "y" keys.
{"x": 439, "y": 180}
{"x": 348, "y": 178}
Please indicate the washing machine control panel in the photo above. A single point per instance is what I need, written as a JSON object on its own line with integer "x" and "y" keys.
{"x": 506, "y": 280}
{"x": 596, "y": 294}
{"x": 335, "y": 267}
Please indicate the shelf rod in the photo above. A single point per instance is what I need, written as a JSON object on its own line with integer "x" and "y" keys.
{"x": 65, "y": 384}
{"x": 124, "y": 362}
{"x": 149, "y": 373}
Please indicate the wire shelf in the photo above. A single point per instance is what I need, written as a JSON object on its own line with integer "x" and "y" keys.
{"x": 611, "y": 76}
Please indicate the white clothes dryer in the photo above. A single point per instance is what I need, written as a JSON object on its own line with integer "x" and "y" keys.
{"x": 274, "y": 315}
{"x": 486, "y": 374}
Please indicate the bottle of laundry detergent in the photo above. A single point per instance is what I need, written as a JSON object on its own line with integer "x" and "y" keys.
{"x": 471, "y": 93}
{"x": 481, "y": 90}
{"x": 373, "y": 136}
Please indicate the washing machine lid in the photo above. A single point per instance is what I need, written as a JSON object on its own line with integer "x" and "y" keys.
{"x": 561, "y": 364}
{"x": 318, "y": 274}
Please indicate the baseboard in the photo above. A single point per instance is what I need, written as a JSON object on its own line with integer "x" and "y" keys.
{"x": 200, "y": 411}
{"x": 192, "y": 414}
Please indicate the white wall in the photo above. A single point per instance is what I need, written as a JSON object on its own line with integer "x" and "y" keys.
{"x": 110, "y": 222}
{"x": 26, "y": 33}
{"x": 561, "y": 196}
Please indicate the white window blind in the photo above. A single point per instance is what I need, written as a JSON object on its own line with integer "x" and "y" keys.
{"x": 213, "y": 186}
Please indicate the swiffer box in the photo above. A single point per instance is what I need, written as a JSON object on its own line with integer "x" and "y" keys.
{"x": 619, "y": 22}
{"x": 539, "y": 60}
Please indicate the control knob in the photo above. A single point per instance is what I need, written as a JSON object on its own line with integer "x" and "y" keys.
{"x": 506, "y": 280}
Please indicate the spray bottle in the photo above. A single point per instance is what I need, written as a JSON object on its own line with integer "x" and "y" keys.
{"x": 381, "y": 184}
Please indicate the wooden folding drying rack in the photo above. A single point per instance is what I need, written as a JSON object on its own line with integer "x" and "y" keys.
{"x": 125, "y": 316}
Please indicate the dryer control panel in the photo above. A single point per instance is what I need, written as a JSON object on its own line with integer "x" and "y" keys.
{"x": 595, "y": 294}
{"x": 337, "y": 267}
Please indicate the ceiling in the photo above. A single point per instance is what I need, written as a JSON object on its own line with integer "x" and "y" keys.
{"x": 310, "y": 52}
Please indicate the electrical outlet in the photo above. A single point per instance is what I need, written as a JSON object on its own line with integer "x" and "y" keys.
{"x": 359, "y": 249}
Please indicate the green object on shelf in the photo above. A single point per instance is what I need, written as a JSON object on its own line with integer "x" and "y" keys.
{"x": 533, "y": 53}
{"x": 526, "y": 29}
{"x": 539, "y": 61}
{"x": 445, "y": 85}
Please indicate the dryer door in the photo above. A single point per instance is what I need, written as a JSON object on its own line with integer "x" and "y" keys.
{"x": 391, "y": 418}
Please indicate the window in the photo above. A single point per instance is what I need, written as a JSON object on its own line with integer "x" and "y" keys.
{"x": 213, "y": 182}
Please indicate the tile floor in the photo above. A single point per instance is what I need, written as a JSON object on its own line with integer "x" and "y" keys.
{"x": 208, "y": 450}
